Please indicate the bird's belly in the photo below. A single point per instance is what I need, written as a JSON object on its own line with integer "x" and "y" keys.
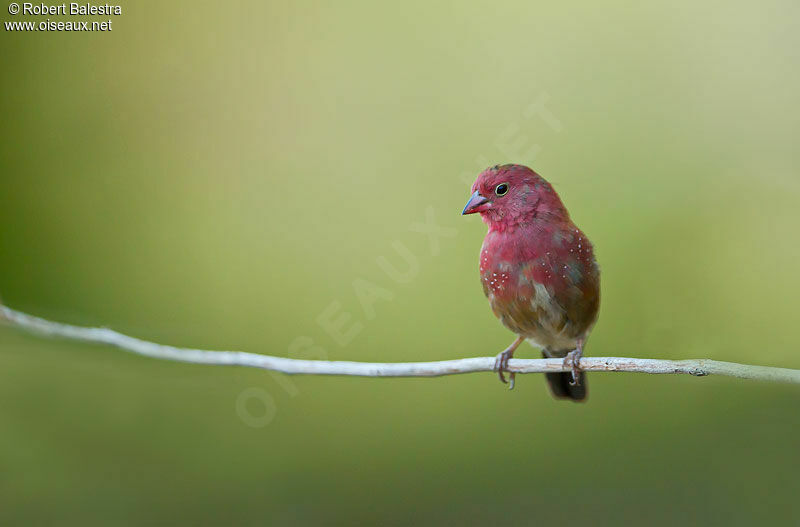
{"x": 538, "y": 318}
{"x": 549, "y": 343}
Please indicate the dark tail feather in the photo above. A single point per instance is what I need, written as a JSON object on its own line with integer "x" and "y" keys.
{"x": 562, "y": 388}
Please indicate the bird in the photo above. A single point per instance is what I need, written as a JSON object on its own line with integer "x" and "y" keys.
{"x": 538, "y": 271}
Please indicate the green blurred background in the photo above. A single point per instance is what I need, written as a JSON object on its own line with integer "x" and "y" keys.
{"x": 217, "y": 174}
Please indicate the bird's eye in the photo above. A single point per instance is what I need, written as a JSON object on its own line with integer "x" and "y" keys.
{"x": 501, "y": 189}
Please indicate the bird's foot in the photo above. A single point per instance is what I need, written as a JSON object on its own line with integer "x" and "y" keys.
{"x": 572, "y": 361}
{"x": 501, "y": 365}
{"x": 501, "y": 362}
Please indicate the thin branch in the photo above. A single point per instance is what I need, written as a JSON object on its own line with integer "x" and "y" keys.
{"x": 696, "y": 367}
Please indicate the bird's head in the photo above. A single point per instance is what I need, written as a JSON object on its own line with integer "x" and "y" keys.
{"x": 506, "y": 195}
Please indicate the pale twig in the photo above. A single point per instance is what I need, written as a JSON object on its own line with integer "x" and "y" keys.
{"x": 697, "y": 367}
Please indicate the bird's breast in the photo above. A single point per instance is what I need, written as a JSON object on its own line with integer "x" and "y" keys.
{"x": 542, "y": 285}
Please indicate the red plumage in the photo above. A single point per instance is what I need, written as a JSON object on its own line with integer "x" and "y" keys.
{"x": 537, "y": 268}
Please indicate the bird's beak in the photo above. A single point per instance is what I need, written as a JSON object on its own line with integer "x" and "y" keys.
{"x": 474, "y": 204}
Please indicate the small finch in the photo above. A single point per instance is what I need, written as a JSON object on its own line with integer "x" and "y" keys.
{"x": 538, "y": 271}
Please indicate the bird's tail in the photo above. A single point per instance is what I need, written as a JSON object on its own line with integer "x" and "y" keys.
{"x": 560, "y": 383}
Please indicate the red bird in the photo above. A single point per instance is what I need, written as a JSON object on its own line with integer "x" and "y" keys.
{"x": 538, "y": 271}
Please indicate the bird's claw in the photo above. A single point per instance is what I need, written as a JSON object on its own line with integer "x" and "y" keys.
{"x": 572, "y": 361}
{"x": 501, "y": 364}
